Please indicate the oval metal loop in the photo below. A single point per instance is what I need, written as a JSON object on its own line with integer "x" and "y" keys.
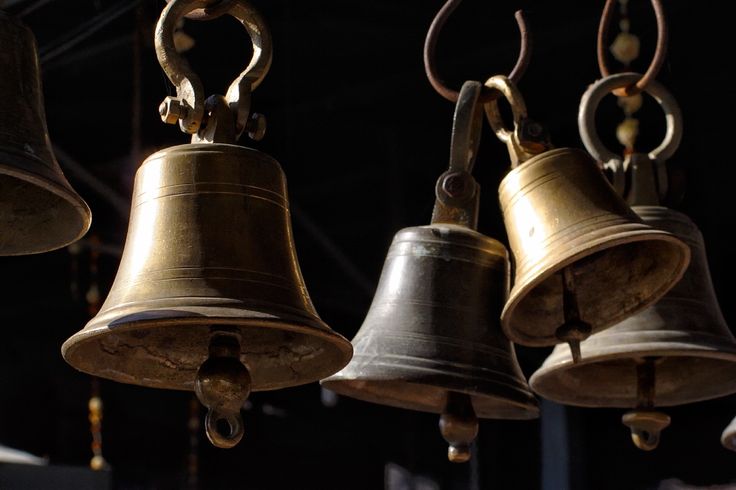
{"x": 226, "y": 441}
{"x": 189, "y": 87}
{"x": 512, "y": 94}
{"x": 589, "y": 105}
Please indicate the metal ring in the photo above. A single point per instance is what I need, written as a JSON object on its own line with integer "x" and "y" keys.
{"x": 592, "y": 98}
{"x": 217, "y": 8}
{"x": 430, "y": 45}
{"x": 234, "y": 420}
{"x": 659, "y": 53}
{"x": 508, "y": 89}
{"x": 188, "y": 85}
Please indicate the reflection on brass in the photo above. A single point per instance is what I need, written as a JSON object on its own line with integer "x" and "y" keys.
{"x": 685, "y": 331}
{"x": 431, "y": 340}
{"x": 209, "y": 251}
{"x": 39, "y": 210}
{"x": 560, "y": 212}
{"x": 583, "y": 260}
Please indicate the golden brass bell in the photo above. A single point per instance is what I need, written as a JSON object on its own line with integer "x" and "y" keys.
{"x": 583, "y": 260}
{"x": 431, "y": 340}
{"x": 677, "y": 351}
{"x": 39, "y": 210}
{"x": 209, "y": 296}
{"x": 728, "y": 438}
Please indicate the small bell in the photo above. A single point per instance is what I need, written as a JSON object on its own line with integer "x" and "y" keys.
{"x": 583, "y": 260}
{"x": 209, "y": 296}
{"x": 677, "y": 351}
{"x": 39, "y": 210}
{"x": 431, "y": 340}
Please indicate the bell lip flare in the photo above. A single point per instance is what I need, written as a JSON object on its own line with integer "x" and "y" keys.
{"x": 381, "y": 370}
{"x": 619, "y": 227}
{"x": 209, "y": 248}
{"x": 107, "y": 340}
{"x": 557, "y": 380}
{"x": 57, "y": 203}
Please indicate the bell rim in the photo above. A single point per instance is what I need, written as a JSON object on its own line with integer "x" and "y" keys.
{"x": 720, "y": 351}
{"x": 332, "y": 338}
{"x": 525, "y": 405}
{"x": 65, "y": 192}
{"x": 643, "y": 234}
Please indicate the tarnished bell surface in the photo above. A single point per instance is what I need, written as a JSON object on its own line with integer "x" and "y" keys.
{"x": 39, "y": 210}
{"x": 560, "y": 211}
{"x": 209, "y": 247}
{"x": 433, "y": 328}
{"x": 693, "y": 351}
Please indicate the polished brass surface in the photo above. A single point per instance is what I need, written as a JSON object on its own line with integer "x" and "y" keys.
{"x": 39, "y": 210}
{"x": 685, "y": 331}
{"x": 560, "y": 212}
{"x": 728, "y": 438}
{"x": 209, "y": 248}
{"x": 431, "y": 340}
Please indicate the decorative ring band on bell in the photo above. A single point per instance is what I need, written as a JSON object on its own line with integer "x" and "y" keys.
{"x": 560, "y": 212}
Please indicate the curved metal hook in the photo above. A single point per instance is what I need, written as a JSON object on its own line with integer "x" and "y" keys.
{"x": 430, "y": 45}
{"x": 189, "y": 105}
{"x": 659, "y": 53}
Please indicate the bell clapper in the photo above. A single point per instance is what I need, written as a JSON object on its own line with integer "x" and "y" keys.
{"x": 222, "y": 385}
{"x": 645, "y": 423}
{"x": 459, "y": 426}
{"x": 574, "y": 330}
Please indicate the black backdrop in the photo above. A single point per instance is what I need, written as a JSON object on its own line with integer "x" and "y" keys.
{"x": 362, "y": 137}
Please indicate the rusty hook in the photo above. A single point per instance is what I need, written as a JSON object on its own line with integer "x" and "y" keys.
{"x": 659, "y": 52}
{"x": 430, "y": 45}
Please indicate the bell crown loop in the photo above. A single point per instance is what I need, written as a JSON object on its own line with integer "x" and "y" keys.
{"x": 189, "y": 107}
{"x": 527, "y": 138}
{"x": 613, "y": 162}
{"x": 457, "y": 192}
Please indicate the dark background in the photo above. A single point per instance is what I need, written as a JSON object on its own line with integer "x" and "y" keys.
{"x": 362, "y": 138}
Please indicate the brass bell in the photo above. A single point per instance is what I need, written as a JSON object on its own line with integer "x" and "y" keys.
{"x": 728, "y": 438}
{"x": 677, "y": 351}
{"x": 583, "y": 260}
{"x": 431, "y": 340}
{"x": 209, "y": 296}
{"x": 39, "y": 210}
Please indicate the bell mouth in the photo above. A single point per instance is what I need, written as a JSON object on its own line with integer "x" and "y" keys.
{"x": 166, "y": 353}
{"x": 509, "y": 403}
{"x": 608, "y": 377}
{"x": 43, "y": 214}
{"x": 626, "y": 269}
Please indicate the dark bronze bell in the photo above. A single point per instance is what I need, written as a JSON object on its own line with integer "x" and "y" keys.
{"x": 728, "y": 438}
{"x": 683, "y": 339}
{"x": 39, "y": 210}
{"x": 209, "y": 296}
{"x": 677, "y": 351}
{"x": 583, "y": 260}
{"x": 431, "y": 340}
